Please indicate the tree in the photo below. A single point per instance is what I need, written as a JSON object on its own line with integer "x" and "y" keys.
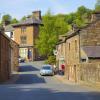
{"x": 23, "y": 18}
{"x": 61, "y": 26}
{"x": 53, "y": 27}
{"x": 97, "y": 6}
{"x": 14, "y": 20}
{"x": 82, "y": 16}
{"x": 47, "y": 35}
{"x": 6, "y": 19}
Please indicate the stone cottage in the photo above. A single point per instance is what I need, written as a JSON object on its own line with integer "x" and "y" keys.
{"x": 82, "y": 46}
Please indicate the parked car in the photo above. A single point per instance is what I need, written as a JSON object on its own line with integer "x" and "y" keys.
{"x": 21, "y": 60}
{"x": 47, "y": 70}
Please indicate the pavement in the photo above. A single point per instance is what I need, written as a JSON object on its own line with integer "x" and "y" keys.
{"x": 63, "y": 80}
{"x": 29, "y": 85}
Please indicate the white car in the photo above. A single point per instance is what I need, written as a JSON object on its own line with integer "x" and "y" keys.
{"x": 46, "y": 70}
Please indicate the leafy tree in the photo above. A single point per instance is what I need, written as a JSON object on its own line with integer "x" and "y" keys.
{"x": 82, "y": 16}
{"x": 70, "y": 18}
{"x": 53, "y": 27}
{"x": 23, "y": 18}
{"x": 7, "y": 19}
{"x": 14, "y": 20}
{"x": 61, "y": 26}
{"x": 97, "y": 6}
{"x": 47, "y": 37}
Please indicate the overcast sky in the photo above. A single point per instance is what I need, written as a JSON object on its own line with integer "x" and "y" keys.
{"x": 19, "y": 8}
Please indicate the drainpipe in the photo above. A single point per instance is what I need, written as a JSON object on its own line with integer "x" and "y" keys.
{"x": 79, "y": 53}
{"x": 79, "y": 47}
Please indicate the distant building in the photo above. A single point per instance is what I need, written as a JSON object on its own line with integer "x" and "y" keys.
{"x": 25, "y": 34}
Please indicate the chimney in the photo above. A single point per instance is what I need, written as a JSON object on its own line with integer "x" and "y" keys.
{"x": 74, "y": 27}
{"x": 95, "y": 16}
{"x": 37, "y": 15}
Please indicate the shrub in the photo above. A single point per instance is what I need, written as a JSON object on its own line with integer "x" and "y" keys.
{"x": 51, "y": 60}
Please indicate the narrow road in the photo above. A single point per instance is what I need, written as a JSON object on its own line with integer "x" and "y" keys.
{"x": 29, "y": 85}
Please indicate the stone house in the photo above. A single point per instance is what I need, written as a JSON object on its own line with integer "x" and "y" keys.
{"x": 82, "y": 46}
{"x": 25, "y": 34}
{"x": 5, "y": 57}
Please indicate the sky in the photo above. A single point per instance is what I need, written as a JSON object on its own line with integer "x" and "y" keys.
{"x": 19, "y": 8}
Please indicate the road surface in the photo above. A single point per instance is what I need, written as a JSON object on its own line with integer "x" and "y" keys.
{"x": 29, "y": 85}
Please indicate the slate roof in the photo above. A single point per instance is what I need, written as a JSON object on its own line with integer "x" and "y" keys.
{"x": 92, "y": 51}
{"x": 29, "y": 21}
{"x": 9, "y": 28}
{"x": 73, "y": 33}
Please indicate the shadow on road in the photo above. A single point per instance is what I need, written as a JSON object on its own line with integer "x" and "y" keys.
{"x": 29, "y": 79}
{"x": 29, "y": 93}
{"x": 27, "y": 68}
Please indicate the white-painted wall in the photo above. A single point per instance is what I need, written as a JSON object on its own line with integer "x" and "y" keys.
{"x": 9, "y": 34}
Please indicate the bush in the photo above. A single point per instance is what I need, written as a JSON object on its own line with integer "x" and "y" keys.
{"x": 51, "y": 60}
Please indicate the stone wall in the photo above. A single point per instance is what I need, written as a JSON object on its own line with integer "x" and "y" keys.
{"x": 15, "y": 55}
{"x": 88, "y": 72}
{"x": 5, "y": 58}
{"x": 72, "y": 50}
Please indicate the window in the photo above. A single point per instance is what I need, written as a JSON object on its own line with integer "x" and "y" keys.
{"x": 23, "y": 39}
{"x": 23, "y": 29}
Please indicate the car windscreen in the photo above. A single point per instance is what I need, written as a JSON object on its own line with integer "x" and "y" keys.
{"x": 46, "y": 67}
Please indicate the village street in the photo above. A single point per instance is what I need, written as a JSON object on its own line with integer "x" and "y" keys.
{"x": 29, "y": 85}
